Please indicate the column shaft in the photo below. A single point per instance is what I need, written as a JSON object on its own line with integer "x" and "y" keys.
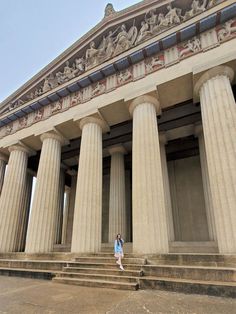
{"x": 24, "y": 217}
{"x": 219, "y": 127}
{"x": 71, "y": 209}
{"x": 166, "y": 186}
{"x": 149, "y": 216}
{"x": 12, "y": 198}
{"x": 41, "y": 230}
{"x": 206, "y": 187}
{"x": 86, "y": 236}
{"x": 60, "y": 207}
{"x": 117, "y": 200}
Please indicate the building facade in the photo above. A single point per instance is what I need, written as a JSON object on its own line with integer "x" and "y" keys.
{"x": 131, "y": 130}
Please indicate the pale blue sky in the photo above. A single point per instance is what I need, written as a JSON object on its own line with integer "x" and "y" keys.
{"x": 34, "y": 32}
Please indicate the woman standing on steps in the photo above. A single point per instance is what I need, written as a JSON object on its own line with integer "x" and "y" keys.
{"x": 118, "y": 248}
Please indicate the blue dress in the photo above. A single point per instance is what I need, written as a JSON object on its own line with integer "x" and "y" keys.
{"x": 118, "y": 248}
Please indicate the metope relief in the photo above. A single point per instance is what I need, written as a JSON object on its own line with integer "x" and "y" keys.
{"x": 192, "y": 46}
{"x": 227, "y": 30}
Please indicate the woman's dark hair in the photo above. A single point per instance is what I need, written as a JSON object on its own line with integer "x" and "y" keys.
{"x": 119, "y": 241}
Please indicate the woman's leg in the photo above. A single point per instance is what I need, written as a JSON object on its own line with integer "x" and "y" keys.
{"x": 121, "y": 266}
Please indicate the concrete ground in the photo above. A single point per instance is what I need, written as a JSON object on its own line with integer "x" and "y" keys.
{"x": 22, "y": 295}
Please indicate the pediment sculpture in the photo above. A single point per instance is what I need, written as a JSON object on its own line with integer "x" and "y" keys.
{"x": 118, "y": 40}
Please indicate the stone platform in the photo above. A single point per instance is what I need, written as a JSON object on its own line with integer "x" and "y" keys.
{"x": 211, "y": 274}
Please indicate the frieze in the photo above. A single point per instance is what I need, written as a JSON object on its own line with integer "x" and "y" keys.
{"x": 226, "y": 31}
{"x": 116, "y": 41}
{"x": 151, "y": 64}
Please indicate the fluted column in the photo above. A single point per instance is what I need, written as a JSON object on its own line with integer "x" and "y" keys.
{"x": 24, "y": 217}
{"x": 86, "y": 236}
{"x": 149, "y": 216}
{"x": 117, "y": 200}
{"x": 3, "y": 163}
{"x": 219, "y": 127}
{"x": 65, "y": 215}
{"x": 206, "y": 184}
{"x": 60, "y": 206}
{"x": 12, "y": 198}
{"x": 166, "y": 185}
{"x": 41, "y": 229}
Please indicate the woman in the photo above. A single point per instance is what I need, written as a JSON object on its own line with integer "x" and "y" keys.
{"x": 118, "y": 248}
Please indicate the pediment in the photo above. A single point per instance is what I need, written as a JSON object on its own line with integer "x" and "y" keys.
{"x": 118, "y": 32}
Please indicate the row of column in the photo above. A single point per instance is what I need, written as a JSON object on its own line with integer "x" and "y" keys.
{"x": 152, "y": 226}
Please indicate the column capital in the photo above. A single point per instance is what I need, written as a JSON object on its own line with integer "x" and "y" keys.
{"x": 221, "y": 70}
{"x": 198, "y": 129}
{"x": 18, "y": 147}
{"x": 163, "y": 138}
{"x": 3, "y": 157}
{"x": 144, "y": 99}
{"x": 95, "y": 120}
{"x": 117, "y": 149}
{"x": 52, "y": 135}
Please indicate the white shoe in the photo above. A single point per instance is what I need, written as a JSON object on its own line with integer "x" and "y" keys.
{"x": 121, "y": 267}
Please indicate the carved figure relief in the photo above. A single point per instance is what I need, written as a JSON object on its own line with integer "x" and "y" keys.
{"x": 79, "y": 66}
{"x": 23, "y": 122}
{"x": 9, "y": 129}
{"x": 98, "y": 89}
{"x": 154, "y": 63}
{"x": 39, "y": 115}
{"x": 124, "y": 76}
{"x": 46, "y": 85}
{"x": 68, "y": 72}
{"x": 57, "y": 106}
{"x": 192, "y": 46}
{"x": 76, "y": 99}
{"x": 144, "y": 32}
{"x": 92, "y": 56}
{"x": 229, "y": 28}
{"x": 196, "y": 8}
{"x": 173, "y": 16}
{"x": 125, "y": 40}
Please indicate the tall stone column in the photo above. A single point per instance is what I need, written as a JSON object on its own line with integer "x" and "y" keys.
{"x": 166, "y": 186}
{"x": 149, "y": 216}
{"x": 71, "y": 208}
{"x": 65, "y": 215}
{"x": 3, "y": 163}
{"x": 60, "y": 206}
{"x": 206, "y": 184}
{"x": 12, "y": 198}
{"x": 219, "y": 127}
{"x": 41, "y": 229}
{"x": 24, "y": 217}
{"x": 86, "y": 236}
{"x": 117, "y": 200}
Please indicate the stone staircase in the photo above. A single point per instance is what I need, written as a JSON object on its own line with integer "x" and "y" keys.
{"x": 211, "y": 274}
{"x": 100, "y": 270}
